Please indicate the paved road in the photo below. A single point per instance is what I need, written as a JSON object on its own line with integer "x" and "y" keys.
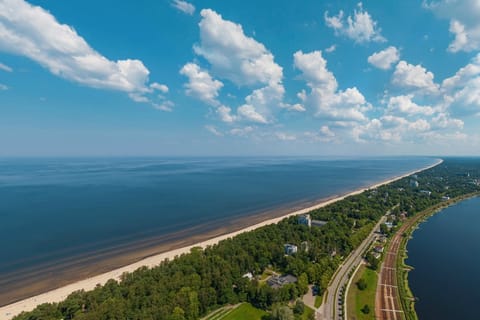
{"x": 332, "y": 309}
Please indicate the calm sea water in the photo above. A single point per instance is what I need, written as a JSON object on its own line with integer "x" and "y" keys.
{"x": 56, "y": 208}
{"x": 445, "y": 253}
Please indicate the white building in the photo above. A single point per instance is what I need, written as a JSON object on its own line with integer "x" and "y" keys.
{"x": 290, "y": 249}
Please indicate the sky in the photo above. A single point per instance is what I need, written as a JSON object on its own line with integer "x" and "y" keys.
{"x": 211, "y": 77}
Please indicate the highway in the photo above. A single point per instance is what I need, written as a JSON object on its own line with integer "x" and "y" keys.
{"x": 332, "y": 308}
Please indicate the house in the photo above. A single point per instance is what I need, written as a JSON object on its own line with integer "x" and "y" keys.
{"x": 319, "y": 223}
{"x": 277, "y": 282}
{"x": 290, "y": 249}
{"x": 414, "y": 183}
{"x": 389, "y": 224}
{"x": 376, "y": 255}
{"x": 305, "y": 220}
{"x": 426, "y": 192}
{"x": 378, "y": 249}
{"x": 445, "y": 198}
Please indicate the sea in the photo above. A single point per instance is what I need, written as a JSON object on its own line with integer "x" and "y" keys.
{"x": 62, "y": 213}
{"x": 445, "y": 254}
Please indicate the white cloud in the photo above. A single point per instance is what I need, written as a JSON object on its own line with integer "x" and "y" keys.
{"x": 249, "y": 113}
{"x": 200, "y": 84}
{"x": 184, "y": 6}
{"x": 6, "y": 68}
{"x": 464, "y": 16}
{"x": 163, "y": 106}
{"x": 332, "y": 48}
{"x": 33, "y": 32}
{"x": 3, "y": 87}
{"x": 225, "y": 114}
{"x": 244, "y": 61}
{"x": 241, "y": 131}
{"x": 443, "y": 121}
{"x": 414, "y": 77}
{"x": 330, "y": 103}
{"x": 360, "y": 27}
{"x": 419, "y": 125}
{"x": 325, "y": 130}
{"x": 462, "y": 90}
{"x": 213, "y": 130}
{"x": 293, "y": 107}
{"x": 160, "y": 87}
{"x": 385, "y": 58}
{"x": 404, "y": 104}
{"x": 232, "y": 54}
{"x": 285, "y": 136}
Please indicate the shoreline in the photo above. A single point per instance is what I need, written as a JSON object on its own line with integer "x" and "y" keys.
{"x": 56, "y": 295}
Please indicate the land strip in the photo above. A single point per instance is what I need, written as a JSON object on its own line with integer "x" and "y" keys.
{"x": 394, "y": 301}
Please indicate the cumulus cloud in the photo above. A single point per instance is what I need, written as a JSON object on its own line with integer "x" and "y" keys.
{"x": 404, "y": 104}
{"x": 385, "y": 58}
{"x": 33, "y": 32}
{"x": 464, "y": 16}
{"x": 160, "y": 87}
{"x": 225, "y": 114}
{"x": 235, "y": 57}
{"x": 184, "y": 6}
{"x": 232, "y": 54}
{"x": 462, "y": 90}
{"x": 249, "y": 113}
{"x": 5, "y": 68}
{"x": 414, "y": 77}
{"x": 200, "y": 84}
{"x": 360, "y": 27}
{"x": 3, "y": 87}
{"x": 324, "y": 96}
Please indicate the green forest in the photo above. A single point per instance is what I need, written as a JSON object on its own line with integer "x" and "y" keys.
{"x": 194, "y": 284}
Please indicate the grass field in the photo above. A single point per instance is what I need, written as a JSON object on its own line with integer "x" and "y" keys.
{"x": 244, "y": 312}
{"x": 358, "y": 298}
{"x": 306, "y": 314}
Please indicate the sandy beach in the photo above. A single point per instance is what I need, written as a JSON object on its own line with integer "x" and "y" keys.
{"x": 9, "y": 311}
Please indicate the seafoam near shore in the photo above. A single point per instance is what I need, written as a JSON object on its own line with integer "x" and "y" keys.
{"x": 9, "y": 311}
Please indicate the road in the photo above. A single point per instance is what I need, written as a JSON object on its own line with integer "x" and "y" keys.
{"x": 332, "y": 308}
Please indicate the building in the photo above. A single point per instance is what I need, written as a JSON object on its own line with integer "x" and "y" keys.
{"x": 378, "y": 249}
{"x": 319, "y": 223}
{"x": 277, "y": 282}
{"x": 445, "y": 198}
{"x": 414, "y": 183}
{"x": 305, "y": 220}
{"x": 290, "y": 249}
{"x": 426, "y": 192}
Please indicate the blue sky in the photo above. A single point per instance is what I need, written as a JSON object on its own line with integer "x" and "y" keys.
{"x": 239, "y": 78}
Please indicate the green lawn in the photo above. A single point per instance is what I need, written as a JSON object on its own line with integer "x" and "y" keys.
{"x": 306, "y": 313}
{"x": 244, "y": 312}
{"x": 318, "y": 300}
{"x": 358, "y": 298}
